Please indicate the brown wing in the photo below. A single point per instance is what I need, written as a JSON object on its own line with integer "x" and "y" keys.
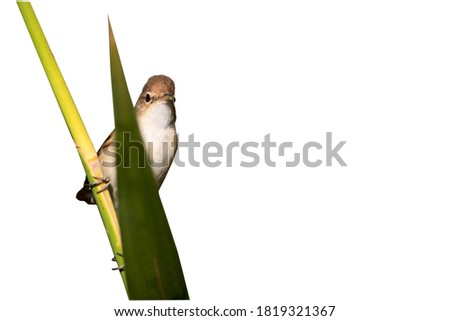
{"x": 85, "y": 193}
{"x": 108, "y": 141}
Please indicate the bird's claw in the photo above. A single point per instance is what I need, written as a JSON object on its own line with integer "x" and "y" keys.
{"x": 120, "y": 268}
{"x": 114, "y": 258}
{"x": 99, "y": 181}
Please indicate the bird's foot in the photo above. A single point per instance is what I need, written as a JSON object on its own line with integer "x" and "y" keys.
{"x": 120, "y": 268}
{"x": 99, "y": 181}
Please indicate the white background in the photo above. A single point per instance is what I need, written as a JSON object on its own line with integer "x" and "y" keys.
{"x": 371, "y": 238}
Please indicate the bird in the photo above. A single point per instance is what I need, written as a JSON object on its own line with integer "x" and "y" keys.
{"x": 156, "y": 117}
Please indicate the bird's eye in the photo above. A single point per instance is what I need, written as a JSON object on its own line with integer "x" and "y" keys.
{"x": 174, "y": 99}
{"x": 148, "y": 98}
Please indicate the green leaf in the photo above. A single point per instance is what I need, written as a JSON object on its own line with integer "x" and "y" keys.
{"x": 151, "y": 259}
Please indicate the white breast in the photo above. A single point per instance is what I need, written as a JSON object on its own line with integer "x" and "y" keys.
{"x": 157, "y": 127}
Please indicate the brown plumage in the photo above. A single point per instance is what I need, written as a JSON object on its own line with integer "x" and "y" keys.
{"x": 155, "y": 113}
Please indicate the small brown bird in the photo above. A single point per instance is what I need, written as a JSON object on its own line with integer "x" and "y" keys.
{"x": 155, "y": 114}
